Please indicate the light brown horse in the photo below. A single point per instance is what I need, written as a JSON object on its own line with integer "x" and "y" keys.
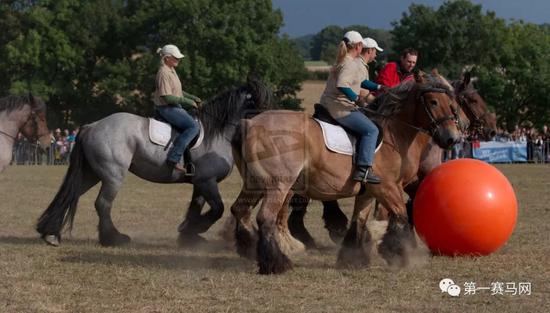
{"x": 25, "y": 115}
{"x": 283, "y": 153}
{"x": 474, "y": 117}
{"x": 481, "y": 123}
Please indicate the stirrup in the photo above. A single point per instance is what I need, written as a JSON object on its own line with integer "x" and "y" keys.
{"x": 371, "y": 178}
{"x": 360, "y": 174}
{"x": 189, "y": 169}
{"x": 365, "y": 176}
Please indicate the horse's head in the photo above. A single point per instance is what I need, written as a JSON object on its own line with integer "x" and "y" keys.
{"x": 482, "y": 121}
{"x": 259, "y": 97}
{"x": 227, "y": 108}
{"x": 436, "y": 109}
{"x": 35, "y": 127}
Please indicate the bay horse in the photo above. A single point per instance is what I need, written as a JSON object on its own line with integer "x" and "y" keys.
{"x": 282, "y": 153}
{"x": 107, "y": 149}
{"x": 477, "y": 120}
{"x": 25, "y": 115}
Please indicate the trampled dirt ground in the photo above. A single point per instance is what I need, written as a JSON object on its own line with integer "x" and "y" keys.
{"x": 153, "y": 275}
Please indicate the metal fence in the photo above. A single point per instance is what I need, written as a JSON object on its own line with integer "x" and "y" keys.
{"x": 26, "y": 153}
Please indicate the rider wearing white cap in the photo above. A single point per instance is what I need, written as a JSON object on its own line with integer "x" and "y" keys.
{"x": 367, "y": 55}
{"x": 340, "y": 98}
{"x": 171, "y": 102}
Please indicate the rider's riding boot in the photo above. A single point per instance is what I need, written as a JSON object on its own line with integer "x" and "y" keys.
{"x": 365, "y": 174}
{"x": 178, "y": 166}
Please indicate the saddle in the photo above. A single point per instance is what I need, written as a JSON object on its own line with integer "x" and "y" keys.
{"x": 163, "y": 134}
{"x": 338, "y": 139}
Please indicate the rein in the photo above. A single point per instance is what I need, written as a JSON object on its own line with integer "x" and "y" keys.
{"x": 434, "y": 123}
{"x": 390, "y": 117}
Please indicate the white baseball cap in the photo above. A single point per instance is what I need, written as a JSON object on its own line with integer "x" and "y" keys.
{"x": 170, "y": 50}
{"x": 371, "y": 43}
{"x": 353, "y": 37}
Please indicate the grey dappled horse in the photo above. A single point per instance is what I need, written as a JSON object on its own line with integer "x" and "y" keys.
{"x": 25, "y": 115}
{"x": 105, "y": 150}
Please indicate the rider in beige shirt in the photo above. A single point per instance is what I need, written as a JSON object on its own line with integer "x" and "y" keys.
{"x": 171, "y": 102}
{"x": 340, "y": 98}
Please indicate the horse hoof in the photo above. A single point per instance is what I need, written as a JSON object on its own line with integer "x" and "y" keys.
{"x": 337, "y": 235}
{"x": 51, "y": 240}
{"x": 186, "y": 240}
{"x": 193, "y": 228}
{"x": 114, "y": 240}
{"x": 352, "y": 258}
{"x": 281, "y": 267}
{"x": 394, "y": 256}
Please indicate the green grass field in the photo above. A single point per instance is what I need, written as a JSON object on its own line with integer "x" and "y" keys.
{"x": 153, "y": 275}
{"x": 315, "y": 63}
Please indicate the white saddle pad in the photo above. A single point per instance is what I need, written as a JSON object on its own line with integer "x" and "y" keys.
{"x": 160, "y": 133}
{"x": 336, "y": 138}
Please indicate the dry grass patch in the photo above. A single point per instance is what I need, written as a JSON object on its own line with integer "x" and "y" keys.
{"x": 153, "y": 275}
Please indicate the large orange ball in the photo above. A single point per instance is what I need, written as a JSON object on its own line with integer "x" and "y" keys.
{"x": 465, "y": 207}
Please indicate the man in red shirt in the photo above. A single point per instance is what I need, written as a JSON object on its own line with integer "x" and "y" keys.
{"x": 395, "y": 73}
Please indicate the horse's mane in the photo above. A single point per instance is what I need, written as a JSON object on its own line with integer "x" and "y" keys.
{"x": 12, "y": 103}
{"x": 229, "y": 106}
{"x": 392, "y": 101}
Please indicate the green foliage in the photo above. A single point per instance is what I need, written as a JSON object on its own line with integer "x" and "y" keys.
{"x": 519, "y": 86}
{"x": 93, "y": 58}
{"x": 511, "y": 60}
{"x": 303, "y": 44}
{"x": 456, "y": 34}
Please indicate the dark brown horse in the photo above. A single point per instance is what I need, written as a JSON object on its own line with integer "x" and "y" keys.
{"x": 282, "y": 154}
{"x": 25, "y": 115}
{"x": 478, "y": 120}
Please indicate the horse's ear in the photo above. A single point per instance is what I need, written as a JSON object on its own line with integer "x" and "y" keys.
{"x": 467, "y": 79}
{"x": 419, "y": 77}
{"x": 31, "y": 99}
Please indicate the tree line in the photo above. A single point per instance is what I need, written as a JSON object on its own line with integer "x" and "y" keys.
{"x": 88, "y": 59}
{"x": 92, "y": 58}
{"x": 509, "y": 58}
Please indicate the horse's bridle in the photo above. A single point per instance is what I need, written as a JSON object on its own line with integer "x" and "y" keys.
{"x": 477, "y": 121}
{"x": 435, "y": 123}
{"x": 30, "y": 119}
{"x": 8, "y": 135}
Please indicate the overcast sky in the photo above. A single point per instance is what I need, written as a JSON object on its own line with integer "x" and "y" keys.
{"x": 303, "y": 17}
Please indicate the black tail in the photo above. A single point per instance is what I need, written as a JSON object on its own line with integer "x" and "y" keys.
{"x": 63, "y": 207}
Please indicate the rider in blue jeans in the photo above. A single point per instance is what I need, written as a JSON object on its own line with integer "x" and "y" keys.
{"x": 172, "y": 103}
{"x": 343, "y": 94}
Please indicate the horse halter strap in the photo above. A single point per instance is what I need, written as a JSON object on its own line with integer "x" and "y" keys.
{"x": 477, "y": 120}
{"x": 436, "y": 122}
{"x": 8, "y": 135}
{"x": 30, "y": 119}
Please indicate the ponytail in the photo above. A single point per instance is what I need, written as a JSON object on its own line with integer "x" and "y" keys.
{"x": 162, "y": 56}
{"x": 343, "y": 49}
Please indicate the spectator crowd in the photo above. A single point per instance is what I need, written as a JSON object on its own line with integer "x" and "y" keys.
{"x": 537, "y": 143}
{"x": 62, "y": 143}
